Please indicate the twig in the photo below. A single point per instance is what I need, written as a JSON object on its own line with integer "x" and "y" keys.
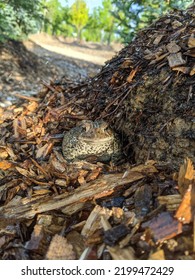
{"x": 48, "y": 86}
{"x": 30, "y": 98}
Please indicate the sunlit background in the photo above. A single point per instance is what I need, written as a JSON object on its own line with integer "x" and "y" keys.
{"x": 103, "y": 21}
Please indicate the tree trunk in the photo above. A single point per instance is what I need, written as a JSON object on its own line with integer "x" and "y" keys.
{"x": 79, "y": 34}
{"x": 109, "y": 38}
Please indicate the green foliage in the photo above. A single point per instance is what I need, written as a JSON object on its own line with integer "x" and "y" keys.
{"x": 53, "y": 16}
{"x": 79, "y": 15}
{"x": 92, "y": 31}
{"x": 112, "y": 20}
{"x": 101, "y": 24}
{"x": 19, "y": 17}
{"x": 127, "y": 14}
{"x": 135, "y": 14}
{"x": 107, "y": 20}
{"x": 153, "y": 9}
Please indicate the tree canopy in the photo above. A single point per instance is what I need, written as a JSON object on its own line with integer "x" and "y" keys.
{"x": 113, "y": 20}
{"x": 19, "y": 17}
{"x": 79, "y": 15}
{"x": 133, "y": 15}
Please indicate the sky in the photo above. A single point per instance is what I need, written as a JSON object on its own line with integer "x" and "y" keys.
{"x": 90, "y": 3}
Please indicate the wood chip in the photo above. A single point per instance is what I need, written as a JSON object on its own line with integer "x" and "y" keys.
{"x": 159, "y": 255}
{"x": 191, "y": 42}
{"x": 43, "y": 151}
{"x": 190, "y": 52}
{"x": 192, "y": 72}
{"x": 121, "y": 254}
{"x": 94, "y": 221}
{"x": 126, "y": 64}
{"x": 186, "y": 175}
{"x": 60, "y": 249}
{"x": 163, "y": 227}
{"x": 172, "y": 47}
{"x": 158, "y": 39}
{"x": 175, "y": 24}
{"x": 171, "y": 201}
{"x": 132, "y": 75}
{"x": 184, "y": 213}
{"x": 175, "y": 59}
{"x": 182, "y": 69}
{"x": 4, "y": 165}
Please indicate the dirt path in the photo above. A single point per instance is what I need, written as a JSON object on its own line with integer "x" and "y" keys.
{"x": 76, "y": 61}
{"x": 89, "y": 52}
{"x": 66, "y": 51}
{"x": 47, "y": 58}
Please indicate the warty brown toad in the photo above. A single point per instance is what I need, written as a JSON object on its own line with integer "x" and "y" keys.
{"x": 90, "y": 138}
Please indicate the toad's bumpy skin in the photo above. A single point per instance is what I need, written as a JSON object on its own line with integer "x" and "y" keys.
{"x": 91, "y": 139}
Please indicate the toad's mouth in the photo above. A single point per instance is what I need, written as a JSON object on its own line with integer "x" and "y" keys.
{"x": 95, "y": 140}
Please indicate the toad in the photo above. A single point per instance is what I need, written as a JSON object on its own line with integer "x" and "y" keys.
{"x": 91, "y": 138}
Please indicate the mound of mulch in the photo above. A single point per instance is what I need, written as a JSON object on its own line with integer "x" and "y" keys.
{"x": 146, "y": 92}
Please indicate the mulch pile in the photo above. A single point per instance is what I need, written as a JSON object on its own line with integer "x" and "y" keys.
{"x": 141, "y": 209}
{"x": 147, "y": 91}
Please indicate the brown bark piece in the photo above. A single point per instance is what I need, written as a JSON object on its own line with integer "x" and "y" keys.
{"x": 103, "y": 186}
{"x": 175, "y": 59}
{"x": 94, "y": 220}
{"x": 172, "y": 47}
{"x": 163, "y": 227}
{"x": 182, "y": 69}
{"x": 186, "y": 175}
{"x": 192, "y": 72}
{"x": 184, "y": 213}
{"x": 158, "y": 39}
{"x": 191, "y": 42}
